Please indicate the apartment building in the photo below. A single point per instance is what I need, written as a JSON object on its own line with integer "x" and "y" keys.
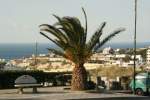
{"x": 148, "y": 56}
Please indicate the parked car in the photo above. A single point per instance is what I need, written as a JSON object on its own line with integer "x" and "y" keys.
{"x": 142, "y": 83}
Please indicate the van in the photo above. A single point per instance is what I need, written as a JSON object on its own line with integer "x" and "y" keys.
{"x": 142, "y": 83}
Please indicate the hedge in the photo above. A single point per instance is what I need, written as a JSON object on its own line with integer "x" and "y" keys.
{"x": 7, "y": 78}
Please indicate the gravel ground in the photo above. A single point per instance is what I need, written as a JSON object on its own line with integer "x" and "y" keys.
{"x": 58, "y": 93}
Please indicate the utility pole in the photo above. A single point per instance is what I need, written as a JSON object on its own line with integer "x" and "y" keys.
{"x": 135, "y": 28}
{"x": 36, "y": 55}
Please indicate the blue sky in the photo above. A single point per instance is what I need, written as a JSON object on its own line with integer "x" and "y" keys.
{"x": 19, "y": 19}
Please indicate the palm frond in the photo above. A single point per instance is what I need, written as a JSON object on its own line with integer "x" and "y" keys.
{"x": 62, "y": 23}
{"x": 107, "y": 38}
{"x": 70, "y": 36}
{"x": 85, "y": 32}
{"x": 71, "y": 26}
{"x": 54, "y": 31}
{"x": 55, "y": 41}
{"x": 48, "y": 38}
{"x": 95, "y": 38}
{"x": 57, "y": 52}
{"x": 77, "y": 29}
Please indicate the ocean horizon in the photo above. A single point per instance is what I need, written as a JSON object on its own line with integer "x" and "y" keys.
{"x": 19, "y": 50}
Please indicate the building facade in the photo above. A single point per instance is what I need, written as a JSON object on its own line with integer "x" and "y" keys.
{"x": 148, "y": 56}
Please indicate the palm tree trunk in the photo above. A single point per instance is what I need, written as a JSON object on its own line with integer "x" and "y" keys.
{"x": 79, "y": 78}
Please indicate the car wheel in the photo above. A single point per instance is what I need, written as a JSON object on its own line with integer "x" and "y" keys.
{"x": 139, "y": 92}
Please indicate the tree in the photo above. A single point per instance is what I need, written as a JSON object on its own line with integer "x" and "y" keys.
{"x": 71, "y": 37}
{"x": 142, "y": 53}
{"x": 2, "y": 64}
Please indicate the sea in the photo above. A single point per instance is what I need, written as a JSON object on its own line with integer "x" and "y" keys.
{"x": 10, "y": 51}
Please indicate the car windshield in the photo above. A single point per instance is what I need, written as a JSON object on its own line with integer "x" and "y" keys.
{"x": 143, "y": 80}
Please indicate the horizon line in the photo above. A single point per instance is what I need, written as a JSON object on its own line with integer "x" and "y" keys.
{"x": 54, "y": 44}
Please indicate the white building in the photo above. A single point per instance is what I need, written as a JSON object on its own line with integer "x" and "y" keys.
{"x": 121, "y": 55}
{"x": 148, "y": 56}
{"x": 108, "y": 50}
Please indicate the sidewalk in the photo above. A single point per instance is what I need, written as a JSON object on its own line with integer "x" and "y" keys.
{"x": 58, "y": 93}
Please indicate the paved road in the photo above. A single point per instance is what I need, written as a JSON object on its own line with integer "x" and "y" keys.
{"x": 58, "y": 93}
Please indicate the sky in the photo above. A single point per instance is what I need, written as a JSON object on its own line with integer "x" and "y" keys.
{"x": 19, "y": 19}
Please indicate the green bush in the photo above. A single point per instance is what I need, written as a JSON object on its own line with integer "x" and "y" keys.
{"x": 7, "y": 78}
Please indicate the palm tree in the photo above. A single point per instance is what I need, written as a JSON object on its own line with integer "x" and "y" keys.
{"x": 71, "y": 37}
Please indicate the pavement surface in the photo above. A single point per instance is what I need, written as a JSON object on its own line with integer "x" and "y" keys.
{"x": 59, "y": 93}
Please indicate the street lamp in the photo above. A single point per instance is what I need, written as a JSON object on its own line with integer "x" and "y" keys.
{"x": 135, "y": 26}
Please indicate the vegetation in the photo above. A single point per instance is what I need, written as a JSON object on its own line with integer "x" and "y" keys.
{"x": 2, "y": 64}
{"x": 138, "y": 52}
{"x": 112, "y": 72}
{"x": 7, "y": 78}
{"x": 143, "y": 53}
{"x": 71, "y": 37}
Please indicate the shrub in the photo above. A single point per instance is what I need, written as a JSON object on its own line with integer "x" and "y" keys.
{"x": 7, "y": 78}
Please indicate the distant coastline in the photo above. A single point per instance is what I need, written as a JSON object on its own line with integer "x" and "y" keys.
{"x": 19, "y": 50}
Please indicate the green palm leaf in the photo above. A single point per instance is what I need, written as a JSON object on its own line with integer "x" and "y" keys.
{"x": 95, "y": 38}
{"x": 107, "y": 38}
{"x": 70, "y": 37}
